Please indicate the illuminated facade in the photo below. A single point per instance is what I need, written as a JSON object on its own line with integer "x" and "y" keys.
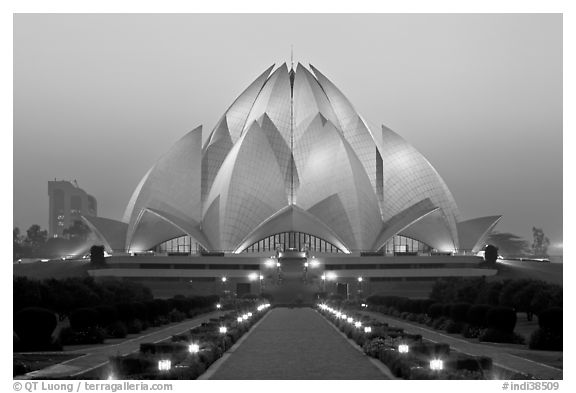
{"x": 292, "y": 155}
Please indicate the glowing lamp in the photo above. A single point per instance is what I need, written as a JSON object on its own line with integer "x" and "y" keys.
{"x": 404, "y": 348}
{"x": 193, "y": 348}
{"x": 436, "y": 365}
{"x": 164, "y": 365}
{"x": 223, "y": 330}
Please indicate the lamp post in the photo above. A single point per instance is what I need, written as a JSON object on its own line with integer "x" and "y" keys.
{"x": 223, "y": 330}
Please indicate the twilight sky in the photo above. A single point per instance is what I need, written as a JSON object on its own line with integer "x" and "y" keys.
{"x": 99, "y": 97}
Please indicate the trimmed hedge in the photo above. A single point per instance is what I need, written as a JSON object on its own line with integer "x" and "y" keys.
{"x": 501, "y": 318}
{"x": 551, "y": 319}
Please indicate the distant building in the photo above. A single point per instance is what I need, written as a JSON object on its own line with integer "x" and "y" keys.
{"x": 68, "y": 203}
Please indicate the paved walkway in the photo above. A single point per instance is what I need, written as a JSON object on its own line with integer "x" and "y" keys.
{"x": 295, "y": 344}
{"x": 98, "y": 355}
{"x": 501, "y": 355}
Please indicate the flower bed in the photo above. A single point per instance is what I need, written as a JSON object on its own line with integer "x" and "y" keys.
{"x": 187, "y": 355}
{"x": 406, "y": 355}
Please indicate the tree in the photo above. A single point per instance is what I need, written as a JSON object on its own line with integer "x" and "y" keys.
{"x": 78, "y": 230}
{"x": 18, "y": 248}
{"x": 541, "y": 242}
{"x": 35, "y": 238}
{"x": 509, "y": 244}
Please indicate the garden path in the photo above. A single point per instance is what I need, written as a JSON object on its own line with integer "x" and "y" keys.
{"x": 295, "y": 344}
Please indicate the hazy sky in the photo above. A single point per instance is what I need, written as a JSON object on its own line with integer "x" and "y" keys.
{"x": 98, "y": 98}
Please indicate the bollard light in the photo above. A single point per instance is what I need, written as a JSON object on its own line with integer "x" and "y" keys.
{"x": 367, "y": 329}
{"x": 436, "y": 365}
{"x": 218, "y": 306}
{"x": 245, "y": 317}
{"x": 360, "y": 279}
{"x": 164, "y": 365}
{"x": 338, "y": 314}
{"x": 194, "y": 348}
{"x": 305, "y": 264}
{"x": 350, "y": 319}
{"x": 404, "y": 348}
{"x": 239, "y": 319}
{"x": 223, "y": 329}
{"x": 249, "y": 314}
{"x": 278, "y": 264}
{"x": 358, "y": 324}
{"x": 224, "y": 279}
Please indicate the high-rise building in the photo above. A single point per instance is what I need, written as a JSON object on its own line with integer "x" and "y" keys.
{"x": 68, "y": 203}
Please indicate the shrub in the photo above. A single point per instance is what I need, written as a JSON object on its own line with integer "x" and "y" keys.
{"x": 34, "y": 326}
{"x": 546, "y": 339}
{"x": 176, "y": 316}
{"x": 501, "y": 318}
{"x": 117, "y": 330}
{"x": 551, "y": 319}
{"x": 107, "y": 315}
{"x": 500, "y": 336}
{"x": 83, "y": 319}
{"x": 435, "y": 310}
{"x": 477, "y": 315}
{"x": 93, "y": 335}
{"x": 459, "y": 312}
{"x": 471, "y": 331}
{"x": 454, "y": 327}
{"x": 134, "y": 326}
{"x": 126, "y": 311}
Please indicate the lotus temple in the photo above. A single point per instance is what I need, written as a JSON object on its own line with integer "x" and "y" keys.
{"x": 293, "y": 194}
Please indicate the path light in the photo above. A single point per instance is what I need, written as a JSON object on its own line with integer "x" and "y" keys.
{"x": 360, "y": 279}
{"x": 436, "y": 364}
{"x": 306, "y": 264}
{"x": 278, "y": 264}
{"x": 261, "y": 277}
{"x": 193, "y": 348}
{"x": 269, "y": 263}
{"x": 245, "y": 317}
{"x": 249, "y": 314}
{"x": 323, "y": 277}
{"x": 218, "y": 306}
{"x": 367, "y": 329}
{"x": 350, "y": 319}
{"x": 223, "y": 279}
{"x": 344, "y": 316}
{"x": 338, "y": 314}
{"x": 404, "y": 348}
{"x": 239, "y": 319}
{"x": 358, "y": 324}
{"x": 223, "y": 330}
{"x": 164, "y": 365}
